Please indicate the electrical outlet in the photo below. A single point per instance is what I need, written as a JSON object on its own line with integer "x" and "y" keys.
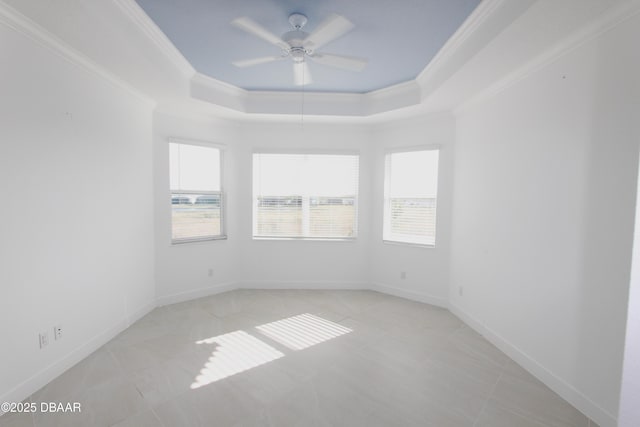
{"x": 57, "y": 332}
{"x": 44, "y": 339}
{"x": 460, "y": 290}
{"x": 211, "y": 272}
{"x": 403, "y": 275}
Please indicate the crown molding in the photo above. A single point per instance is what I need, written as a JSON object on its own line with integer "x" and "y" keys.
{"x": 391, "y": 98}
{"x": 214, "y": 91}
{"x": 488, "y": 19}
{"x": 602, "y": 24}
{"x": 208, "y": 89}
{"x": 218, "y": 85}
{"x": 335, "y": 104}
{"x": 140, "y": 18}
{"x": 468, "y": 27}
{"x": 16, "y": 21}
{"x": 302, "y": 102}
{"x": 470, "y": 37}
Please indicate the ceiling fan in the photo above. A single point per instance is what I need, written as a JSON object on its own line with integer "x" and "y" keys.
{"x": 299, "y": 45}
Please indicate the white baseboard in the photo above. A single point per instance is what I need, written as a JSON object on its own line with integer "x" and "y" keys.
{"x": 555, "y": 383}
{"x": 412, "y": 295}
{"x": 304, "y": 284}
{"x": 195, "y": 293}
{"x": 256, "y": 284}
{"x": 57, "y": 368}
{"x": 140, "y": 313}
{"x": 300, "y": 284}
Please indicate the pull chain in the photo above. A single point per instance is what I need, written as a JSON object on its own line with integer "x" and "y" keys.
{"x": 304, "y": 78}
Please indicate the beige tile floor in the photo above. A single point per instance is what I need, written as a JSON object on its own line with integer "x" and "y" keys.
{"x": 301, "y": 358}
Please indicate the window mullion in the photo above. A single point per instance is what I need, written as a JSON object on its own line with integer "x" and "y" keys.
{"x": 306, "y": 215}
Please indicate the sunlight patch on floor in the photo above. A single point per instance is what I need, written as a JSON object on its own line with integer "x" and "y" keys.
{"x": 234, "y": 352}
{"x": 302, "y": 331}
{"x": 239, "y": 351}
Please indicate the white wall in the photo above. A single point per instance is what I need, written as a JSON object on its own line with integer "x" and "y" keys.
{"x": 427, "y": 269}
{"x": 242, "y": 261}
{"x": 76, "y": 219}
{"x": 545, "y": 185}
{"x": 629, "y": 412}
{"x": 315, "y": 264}
{"x": 182, "y": 270}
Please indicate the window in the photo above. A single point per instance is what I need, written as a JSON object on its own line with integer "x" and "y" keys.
{"x": 410, "y": 194}
{"x": 305, "y": 195}
{"x": 196, "y": 193}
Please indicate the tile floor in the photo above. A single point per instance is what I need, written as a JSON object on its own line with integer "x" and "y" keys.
{"x": 301, "y": 358}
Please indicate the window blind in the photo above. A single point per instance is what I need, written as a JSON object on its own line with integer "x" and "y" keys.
{"x": 411, "y": 188}
{"x": 305, "y": 195}
{"x": 196, "y": 192}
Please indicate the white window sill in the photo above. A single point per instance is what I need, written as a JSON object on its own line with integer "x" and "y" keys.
{"x": 179, "y": 242}
{"x": 305, "y": 239}
{"x": 416, "y": 245}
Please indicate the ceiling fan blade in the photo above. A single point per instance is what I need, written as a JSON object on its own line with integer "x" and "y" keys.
{"x": 340, "y": 61}
{"x": 252, "y": 27}
{"x": 257, "y": 61}
{"x": 330, "y": 29}
{"x": 301, "y": 74}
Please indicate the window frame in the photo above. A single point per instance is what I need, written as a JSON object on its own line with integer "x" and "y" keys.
{"x": 298, "y": 151}
{"x": 223, "y": 199}
{"x": 386, "y": 209}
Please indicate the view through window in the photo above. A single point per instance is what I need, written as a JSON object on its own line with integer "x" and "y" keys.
{"x": 196, "y": 192}
{"x": 411, "y": 188}
{"x": 305, "y": 195}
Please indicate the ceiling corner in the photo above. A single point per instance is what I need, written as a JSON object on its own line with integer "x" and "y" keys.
{"x": 139, "y": 17}
{"x": 489, "y": 19}
{"x": 23, "y": 24}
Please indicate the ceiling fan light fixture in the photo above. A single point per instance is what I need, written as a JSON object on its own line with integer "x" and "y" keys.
{"x": 297, "y": 54}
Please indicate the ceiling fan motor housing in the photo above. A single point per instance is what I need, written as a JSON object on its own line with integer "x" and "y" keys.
{"x": 296, "y": 38}
{"x": 297, "y": 20}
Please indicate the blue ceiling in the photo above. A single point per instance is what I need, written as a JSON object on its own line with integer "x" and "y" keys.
{"x": 398, "y": 37}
